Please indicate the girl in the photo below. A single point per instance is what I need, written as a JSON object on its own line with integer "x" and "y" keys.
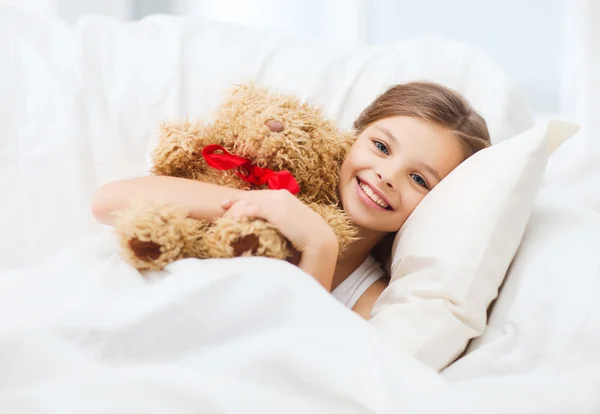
{"x": 408, "y": 139}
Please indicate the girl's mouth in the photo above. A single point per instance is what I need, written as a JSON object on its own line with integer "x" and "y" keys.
{"x": 370, "y": 198}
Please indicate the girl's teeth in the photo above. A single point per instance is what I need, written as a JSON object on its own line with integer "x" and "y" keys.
{"x": 373, "y": 196}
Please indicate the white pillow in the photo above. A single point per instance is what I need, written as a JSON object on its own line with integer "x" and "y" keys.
{"x": 547, "y": 317}
{"x": 452, "y": 254}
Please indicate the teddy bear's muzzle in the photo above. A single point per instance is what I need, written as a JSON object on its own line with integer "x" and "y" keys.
{"x": 275, "y": 125}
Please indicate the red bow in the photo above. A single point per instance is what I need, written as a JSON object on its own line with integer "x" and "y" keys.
{"x": 250, "y": 173}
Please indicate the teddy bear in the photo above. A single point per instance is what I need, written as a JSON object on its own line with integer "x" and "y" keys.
{"x": 259, "y": 139}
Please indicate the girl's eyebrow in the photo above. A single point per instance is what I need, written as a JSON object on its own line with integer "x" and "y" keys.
{"x": 430, "y": 169}
{"x": 387, "y": 133}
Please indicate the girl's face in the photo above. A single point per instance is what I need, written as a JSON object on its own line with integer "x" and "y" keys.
{"x": 392, "y": 165}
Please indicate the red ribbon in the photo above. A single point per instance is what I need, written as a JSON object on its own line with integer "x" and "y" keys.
{"x": 247, "y": 171}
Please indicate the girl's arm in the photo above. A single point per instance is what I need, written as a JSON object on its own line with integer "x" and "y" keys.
{"x": 203, "y": 200}
{"x": 320, "y": 260}
{"x": 301, "y": 225}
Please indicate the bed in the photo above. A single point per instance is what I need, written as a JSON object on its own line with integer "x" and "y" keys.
{"x": 84, "y": 332}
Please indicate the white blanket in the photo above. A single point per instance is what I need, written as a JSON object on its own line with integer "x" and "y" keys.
{"x": 88, "y": 334}
{"x": 84, "y": 332}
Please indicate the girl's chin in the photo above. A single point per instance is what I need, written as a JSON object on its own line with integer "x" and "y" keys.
{"x": 368, "y": 225}
{"x": 369, "y": 220}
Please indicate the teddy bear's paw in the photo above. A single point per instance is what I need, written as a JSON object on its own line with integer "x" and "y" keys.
{"x": 153, "y": 236}
{"x": 247, "y": 244}
{"x": 235, "y": 237}
{"x": 144, "y": 250}
{"x": 147, "y": 254}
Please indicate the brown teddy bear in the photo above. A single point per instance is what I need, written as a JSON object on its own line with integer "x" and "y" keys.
{"x": 259, "y": 140}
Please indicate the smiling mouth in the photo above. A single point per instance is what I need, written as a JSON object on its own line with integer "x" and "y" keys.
{"x": 374, "y": 197}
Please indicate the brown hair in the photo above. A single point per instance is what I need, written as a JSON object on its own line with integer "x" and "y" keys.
{"x": 434, "y": 103}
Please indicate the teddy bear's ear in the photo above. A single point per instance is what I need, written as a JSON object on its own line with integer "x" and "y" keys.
{"x": 245, "y": 91}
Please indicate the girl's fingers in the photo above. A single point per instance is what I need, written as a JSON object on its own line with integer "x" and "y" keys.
{"x": 245, "y": 211}
{"x": 229, "y": 202}
{"x": 226, "y": 204}
{"x": 230, "y": 207}
{"x": 251, "y": 205}
{"x": 238, "y": 209}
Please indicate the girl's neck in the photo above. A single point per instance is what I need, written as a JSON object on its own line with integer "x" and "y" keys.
{"x": 355, "y": 254}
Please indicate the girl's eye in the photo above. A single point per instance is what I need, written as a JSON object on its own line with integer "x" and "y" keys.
{"x": 381, "y": 147}
{"x": 419, "y": 180}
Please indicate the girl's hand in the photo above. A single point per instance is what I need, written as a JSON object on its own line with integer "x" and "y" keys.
{"x": 297, "y": 222}
{"x": 302, "y": 226}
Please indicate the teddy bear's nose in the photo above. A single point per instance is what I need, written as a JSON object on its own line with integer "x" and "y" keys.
{"x": 274, "y": 125}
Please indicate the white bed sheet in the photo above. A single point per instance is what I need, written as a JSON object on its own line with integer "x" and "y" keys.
{"x": 85, "y": 333}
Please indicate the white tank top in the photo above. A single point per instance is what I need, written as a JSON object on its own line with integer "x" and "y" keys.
{"x": 352, "y": 288}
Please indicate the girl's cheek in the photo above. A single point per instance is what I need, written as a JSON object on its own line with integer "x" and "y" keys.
{"x": 409, "y": 199}
{"x": 417, "y": 199}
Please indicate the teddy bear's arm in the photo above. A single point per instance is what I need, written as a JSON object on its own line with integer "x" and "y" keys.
{"x": 153, "y": 235}
{"x": 179, "y": 150}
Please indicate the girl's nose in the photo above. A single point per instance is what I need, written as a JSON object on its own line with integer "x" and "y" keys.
{"x": 387, "y": 182}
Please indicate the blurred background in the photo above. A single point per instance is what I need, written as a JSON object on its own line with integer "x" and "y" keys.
{"x": 542, "y": 44}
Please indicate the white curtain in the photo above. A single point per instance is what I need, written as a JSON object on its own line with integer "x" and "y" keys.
{"x": 581, "y": 71}
{"x": 561, "y": 48}
{"x": 35, "y": 6}
{"x": 339, "y": 22}
{"x": 71, "y": 10}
